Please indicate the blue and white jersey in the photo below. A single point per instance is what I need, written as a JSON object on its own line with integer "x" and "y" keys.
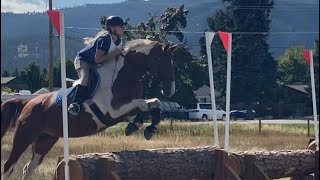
{"x": 103, "y": 43}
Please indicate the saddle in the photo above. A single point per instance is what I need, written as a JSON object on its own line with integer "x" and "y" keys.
{"x": 71, "y": 92}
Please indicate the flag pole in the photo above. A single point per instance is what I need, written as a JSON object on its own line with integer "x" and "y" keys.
{"x": 57, "y": 19}
{"x": 64, "y": 97}
{"x": 209, "y": 38}
{"x": 226, "y": 144}
{"x": 314, "y": 102}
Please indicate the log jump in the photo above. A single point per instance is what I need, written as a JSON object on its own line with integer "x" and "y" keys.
{"x": 201, "y": 163}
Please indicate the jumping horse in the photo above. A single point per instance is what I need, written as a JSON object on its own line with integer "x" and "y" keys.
{"x": 116, "y": 96}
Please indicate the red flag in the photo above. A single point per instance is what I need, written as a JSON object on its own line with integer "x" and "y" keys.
{"x": 54, "y": 17}
{"x": 306, "y": 55}
{"x": 225, "y": 39}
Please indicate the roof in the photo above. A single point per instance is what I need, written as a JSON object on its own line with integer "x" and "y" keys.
{"x": 300, "y": 88}
{"x": 5, "y": 80}
{"x": 45, "y": 90}
{"x": 70, "y": 80}
{"x": 204, "y": 91}
{"x": 41, "y": 91}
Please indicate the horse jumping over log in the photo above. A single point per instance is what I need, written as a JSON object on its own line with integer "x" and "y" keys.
{"x": 116, "y": 93}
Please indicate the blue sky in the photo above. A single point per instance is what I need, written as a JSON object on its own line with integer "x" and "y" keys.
{"x": 23, "y": 6}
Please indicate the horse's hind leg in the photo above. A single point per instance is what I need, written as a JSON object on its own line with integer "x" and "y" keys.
{"x": 41, "y": 146}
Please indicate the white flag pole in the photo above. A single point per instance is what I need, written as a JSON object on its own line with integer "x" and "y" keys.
{"x": 209, "y": 38}
{"x": 314, "y": 102}
{"x": 226, "y": 140}
{"x": 64, "y": 97}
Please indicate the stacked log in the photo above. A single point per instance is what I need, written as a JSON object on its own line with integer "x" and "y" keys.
{"x": 186, "y": 163}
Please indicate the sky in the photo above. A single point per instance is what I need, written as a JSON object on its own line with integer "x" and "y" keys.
{"x": 24, "y": 6}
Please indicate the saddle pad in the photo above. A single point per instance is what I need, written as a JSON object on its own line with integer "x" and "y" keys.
{"x": 59, "y": 96}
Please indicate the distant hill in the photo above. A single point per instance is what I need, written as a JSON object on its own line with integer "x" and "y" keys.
{"x": 24, "y": 37}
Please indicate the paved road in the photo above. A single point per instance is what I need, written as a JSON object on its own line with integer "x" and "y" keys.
{"x": 272, "y": 121}
{"x": 276, "y": 121}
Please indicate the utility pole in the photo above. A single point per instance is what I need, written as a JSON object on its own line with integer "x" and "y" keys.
{"x": 50, "y": 72}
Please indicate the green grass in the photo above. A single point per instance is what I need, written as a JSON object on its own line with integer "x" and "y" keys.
{"x": 181, "y": 134}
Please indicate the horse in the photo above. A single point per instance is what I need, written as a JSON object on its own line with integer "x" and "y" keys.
{"x": 115, "y": 98}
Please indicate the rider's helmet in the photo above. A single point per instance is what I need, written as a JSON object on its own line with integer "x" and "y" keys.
{"x": 113, "y": 21}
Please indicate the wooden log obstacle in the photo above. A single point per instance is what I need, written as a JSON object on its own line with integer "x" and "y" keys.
{"x": 201, "y": 163}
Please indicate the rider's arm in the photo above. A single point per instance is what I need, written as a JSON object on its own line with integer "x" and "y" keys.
{"x": 102, "y": 54}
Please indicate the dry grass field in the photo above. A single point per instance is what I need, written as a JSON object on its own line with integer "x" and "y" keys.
{"x": 182, "y": 134}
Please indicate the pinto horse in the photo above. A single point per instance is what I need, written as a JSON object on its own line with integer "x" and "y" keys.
{"x": 117, "y": 97}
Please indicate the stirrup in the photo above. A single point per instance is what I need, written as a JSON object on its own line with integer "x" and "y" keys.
{"x": 74, "y": 109}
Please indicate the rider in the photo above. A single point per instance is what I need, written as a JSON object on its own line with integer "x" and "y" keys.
{"x": 105, "y": 46}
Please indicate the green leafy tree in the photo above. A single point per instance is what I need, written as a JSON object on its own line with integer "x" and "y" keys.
{"x": 292, "y": 68}
{"x": 32, "y": 76}
{"x": 253, "y": 67}
{"x": 70, "y": 72}
{"x": 44, "y": 78}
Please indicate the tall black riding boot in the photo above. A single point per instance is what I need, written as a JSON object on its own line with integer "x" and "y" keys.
{"x": 81, "y": 94}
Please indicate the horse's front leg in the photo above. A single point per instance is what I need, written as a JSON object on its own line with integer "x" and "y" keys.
{"x": 137, "y": 122}
{"x": 141, "y": 104}
{"x": 155, "y": 120}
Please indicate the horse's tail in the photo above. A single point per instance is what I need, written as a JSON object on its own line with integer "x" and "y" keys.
{"x": 10, "y": 111}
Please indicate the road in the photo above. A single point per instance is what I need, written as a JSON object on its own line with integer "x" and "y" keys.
{"x": 272, "y": 121}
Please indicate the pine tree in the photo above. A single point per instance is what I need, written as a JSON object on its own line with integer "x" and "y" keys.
{"x": 253, "y": 67}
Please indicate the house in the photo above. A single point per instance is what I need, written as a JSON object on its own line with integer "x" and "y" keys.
{"x": 13, "y": 83}
{"x": 203, "y": 94}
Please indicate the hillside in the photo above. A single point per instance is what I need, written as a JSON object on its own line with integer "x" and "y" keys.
{"x": 24, "y": 37}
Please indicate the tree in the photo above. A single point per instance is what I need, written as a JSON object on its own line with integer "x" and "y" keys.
{"x": 16, "y": 73}
{"x": 292, "y": 68}
{"x": 70, "y": 72}
{"x": 31, "y": 75}
{"x": 5, "y": 73}
{"x": 253, "y": 67}
{"x": 44, "y": 78}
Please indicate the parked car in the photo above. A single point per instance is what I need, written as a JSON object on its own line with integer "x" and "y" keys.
{"x": 169, "y": 109}
{"x": 204, "y": 111}
{"x": 236, "y": 114}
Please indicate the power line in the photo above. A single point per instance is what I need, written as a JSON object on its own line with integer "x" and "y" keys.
{"x": 199, "y": 32}
{"x": 280, "y": 7}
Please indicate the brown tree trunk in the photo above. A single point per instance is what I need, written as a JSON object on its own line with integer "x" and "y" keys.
{"x": 185, "y": 163}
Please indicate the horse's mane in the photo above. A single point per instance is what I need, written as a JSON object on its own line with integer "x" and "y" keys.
{"x": 139, "y": 45}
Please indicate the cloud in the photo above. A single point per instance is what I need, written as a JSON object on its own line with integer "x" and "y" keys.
{"x": 23, "y": 6}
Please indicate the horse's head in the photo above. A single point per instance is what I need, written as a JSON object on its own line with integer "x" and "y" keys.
{"x": 162, "y": 69}
{"x": 145, "y": 55}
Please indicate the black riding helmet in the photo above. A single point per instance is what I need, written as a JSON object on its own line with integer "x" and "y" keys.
{"x": 113, "y": 21}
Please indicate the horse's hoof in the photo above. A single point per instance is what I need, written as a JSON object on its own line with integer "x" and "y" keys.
{"x": 74, "y": 109}
{"x": 131, "y": 128}
{"x": 149, "y": 132}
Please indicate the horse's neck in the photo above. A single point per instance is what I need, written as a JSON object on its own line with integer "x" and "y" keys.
{"x": 109, "y": 71}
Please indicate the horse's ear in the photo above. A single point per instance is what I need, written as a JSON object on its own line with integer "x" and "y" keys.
{"x": 173, "y": 48}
